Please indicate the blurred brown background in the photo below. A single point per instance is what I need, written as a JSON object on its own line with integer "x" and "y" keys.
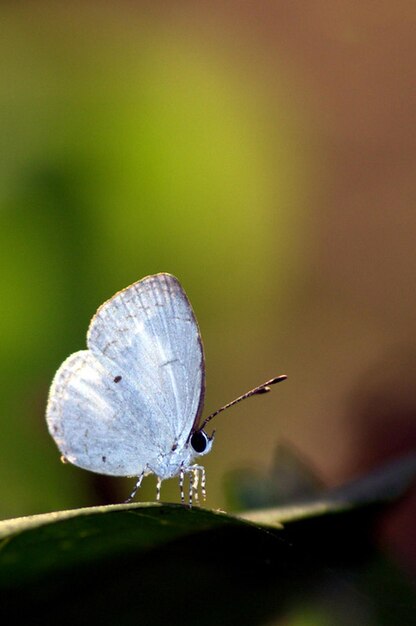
{"x": 263, "y": 152}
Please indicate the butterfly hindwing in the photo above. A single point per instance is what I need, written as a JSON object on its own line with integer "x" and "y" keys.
{"x": 97, "y": 423}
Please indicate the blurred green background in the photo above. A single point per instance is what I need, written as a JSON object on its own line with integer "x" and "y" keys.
{"x": 263, "y": 153}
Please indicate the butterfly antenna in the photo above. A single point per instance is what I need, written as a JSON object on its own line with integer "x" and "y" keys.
{"x": 264, "y": 388}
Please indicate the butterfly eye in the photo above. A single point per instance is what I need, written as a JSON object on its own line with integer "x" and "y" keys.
{"x": 199, "y": 441}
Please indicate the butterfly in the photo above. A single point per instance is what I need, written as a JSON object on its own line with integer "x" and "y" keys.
{"x": 131, "y": 404}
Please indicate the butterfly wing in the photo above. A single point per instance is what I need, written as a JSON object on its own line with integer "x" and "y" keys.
{"x": 94, "y": 420}
{"x": 138, "y": 389}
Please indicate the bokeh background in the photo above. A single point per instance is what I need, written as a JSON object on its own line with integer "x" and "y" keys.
{"x": 264, "y": 153}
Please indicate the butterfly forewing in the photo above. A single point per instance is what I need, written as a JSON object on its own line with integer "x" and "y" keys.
{"x": 149, "y": 332}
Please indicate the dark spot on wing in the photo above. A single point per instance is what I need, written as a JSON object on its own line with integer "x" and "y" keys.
{"x": 175, "y": 445}
{"x": 168, "y": 362}
{"x": 109, "y": 344}
{"x": 104, "y": 458}
{"x": 117, "y": 379}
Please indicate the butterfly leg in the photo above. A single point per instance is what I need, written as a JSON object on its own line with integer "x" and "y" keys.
{"x": 181, "y": 479}
{"x": 190, "y": 488}
{"x": 203, "y": 483}
{"x": 201, "y": 468}
{"x": 136, "y": 487}
{"x": 196, "y": 469}
{"x": 195, "y": 483}
{"x": 158, "y": 486}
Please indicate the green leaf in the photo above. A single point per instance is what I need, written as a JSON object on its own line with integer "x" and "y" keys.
{"x": 156, "y": 563}
{"x": 383, "y": 485}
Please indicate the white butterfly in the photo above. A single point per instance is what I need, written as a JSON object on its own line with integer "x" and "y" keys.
{"x": 130, "y": 405}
